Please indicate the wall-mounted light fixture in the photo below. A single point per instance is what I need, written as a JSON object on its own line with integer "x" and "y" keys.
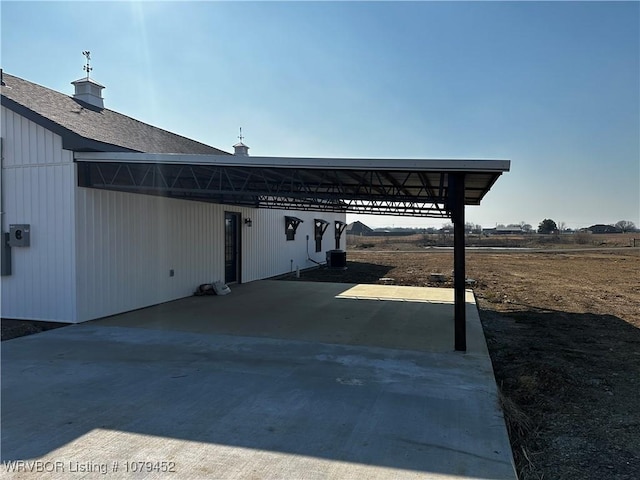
{"x": 248, "y": 222}
{"x": 290, "y": 226}
{"x": 320, "y": 226}
{"x": 339, "y": 228}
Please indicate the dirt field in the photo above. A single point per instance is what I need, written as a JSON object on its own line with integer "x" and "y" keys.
{"x": 18, "y": 328}
{"x": 534, "y": 241}
{"x": 563, "y": 331}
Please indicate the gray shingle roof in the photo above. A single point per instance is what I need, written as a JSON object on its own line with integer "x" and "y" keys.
{"x": 88, "y": 128}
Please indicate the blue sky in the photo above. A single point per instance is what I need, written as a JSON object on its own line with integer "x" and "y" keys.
{"x": 554, "y": 87}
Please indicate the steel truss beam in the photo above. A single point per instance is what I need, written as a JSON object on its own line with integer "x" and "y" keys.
{"x": 348, "y": 191}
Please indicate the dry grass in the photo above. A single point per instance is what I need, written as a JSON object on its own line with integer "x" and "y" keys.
{"x": 420, "y": 241}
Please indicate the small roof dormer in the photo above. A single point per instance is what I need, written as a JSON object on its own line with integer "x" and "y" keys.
{"x": 86, "y": 89}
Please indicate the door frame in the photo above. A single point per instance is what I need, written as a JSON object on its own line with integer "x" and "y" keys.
{"x": 238, "y": 246}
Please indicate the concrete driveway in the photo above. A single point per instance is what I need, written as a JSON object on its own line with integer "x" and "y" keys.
{"x": 277, "y": 380}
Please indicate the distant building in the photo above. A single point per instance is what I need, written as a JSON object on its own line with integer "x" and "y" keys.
{"x": 394, "y": 232}
{"x": 359, "y": 228}
{"x": 600, "y": 228}
{"x": 503, "y": 231}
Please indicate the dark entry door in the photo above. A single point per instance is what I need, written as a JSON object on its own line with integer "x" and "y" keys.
{"x": 231, "y": 247}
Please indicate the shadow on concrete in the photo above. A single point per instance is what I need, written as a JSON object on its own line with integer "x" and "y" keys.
{"x": 340, "y": 403}
{"x": 356, "y": 272}
{"x": 67, "y": 393}
{"x": 576, "y": 377}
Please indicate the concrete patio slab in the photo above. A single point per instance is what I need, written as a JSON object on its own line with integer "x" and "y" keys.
{"x": 216, "y": 393}
{"x": 411, "y": 318}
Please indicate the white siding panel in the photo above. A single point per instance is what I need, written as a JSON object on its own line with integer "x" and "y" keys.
{"x": 27, "y": 143}
{"x": 41, "y": 135}
{"x": 32, "y": 141}
{"x": 13, "y": 152}
{"x": 26, "y": 140}
{"x": 128, "y": 243}
{"x": 42, "y": 285}
{"x": 38, "y": 183}
{"x": 266, "y": 251}
{"x": 5, "y": 130}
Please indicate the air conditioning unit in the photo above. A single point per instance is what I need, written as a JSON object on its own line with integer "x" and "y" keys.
{"x": 337, "y": 259}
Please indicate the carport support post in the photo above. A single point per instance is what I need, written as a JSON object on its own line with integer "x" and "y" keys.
{"x": 456, "y": 192}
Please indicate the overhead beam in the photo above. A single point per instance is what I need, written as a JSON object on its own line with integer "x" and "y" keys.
{"x": 233, "y": 180}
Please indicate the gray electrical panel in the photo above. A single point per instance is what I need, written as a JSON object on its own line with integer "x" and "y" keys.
{"x": 5, "y": 254}
{"x": 19, "y": 235}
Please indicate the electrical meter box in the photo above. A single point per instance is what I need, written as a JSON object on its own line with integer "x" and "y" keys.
{"x": 19, "y": 235}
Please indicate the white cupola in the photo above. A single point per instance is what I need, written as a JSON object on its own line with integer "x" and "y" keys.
{"x": 88, "y": 90}
{"x": 240, "y": 148}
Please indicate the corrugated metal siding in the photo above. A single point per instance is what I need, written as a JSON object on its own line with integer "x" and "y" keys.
{"x": 127, "y": 243}
{"x": 28, "y": 144}
{"x": 39, "y": 179}
{"x": 266, "y": 251}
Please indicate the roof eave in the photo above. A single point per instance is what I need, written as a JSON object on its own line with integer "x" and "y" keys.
{"x": 70, "y": 140}
{"x": 435, "y": 165}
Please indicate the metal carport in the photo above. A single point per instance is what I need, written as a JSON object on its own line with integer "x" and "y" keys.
{"x": 437, "y": 188}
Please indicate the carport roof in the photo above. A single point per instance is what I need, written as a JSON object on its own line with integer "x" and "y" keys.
{"x": 411, "y": 187}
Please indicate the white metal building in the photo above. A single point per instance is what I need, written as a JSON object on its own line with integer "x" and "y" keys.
{"x": 104, "y": 214}
{"x": 85, "y": 253}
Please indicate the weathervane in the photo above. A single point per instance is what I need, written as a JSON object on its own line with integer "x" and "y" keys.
{"x": 240, "y": 136}
{"x": 87, "y": 68}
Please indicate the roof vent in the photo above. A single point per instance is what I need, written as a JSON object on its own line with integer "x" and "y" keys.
{"x": 88, "y": 90}
{"x": 240, "y": 148}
